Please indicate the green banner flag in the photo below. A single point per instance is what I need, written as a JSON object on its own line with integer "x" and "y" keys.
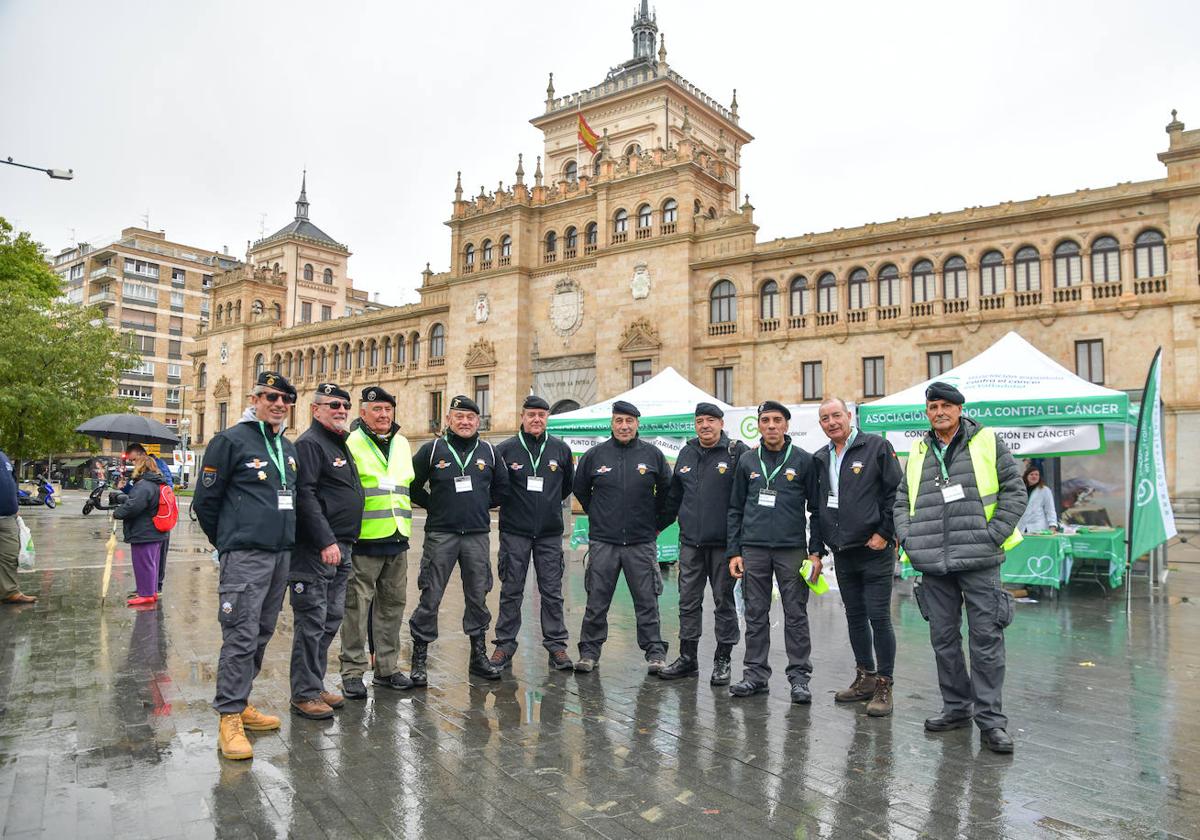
{"x": 1151, "y": 520}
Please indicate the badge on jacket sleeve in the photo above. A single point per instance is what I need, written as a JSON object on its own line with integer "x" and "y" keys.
{"x": 684, "y": 470}
{"x": 856, "y": 467}
{"x": 641, "y": 469}
{"x": 722, "y": 466}
{"x": 553, "y": 466}
{"x": 339, "y": 462}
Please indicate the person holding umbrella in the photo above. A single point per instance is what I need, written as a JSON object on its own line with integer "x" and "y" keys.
{"x": 136, "y": 512}
{"x": 245, "y": 502}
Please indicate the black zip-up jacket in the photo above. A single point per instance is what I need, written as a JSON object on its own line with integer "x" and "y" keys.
{"x": 138, "y": 511}
{"x": 867, "y": 485}
{"x": 329, "y": 499}
{"x": 699, "y": 493}
{"x": 622, "y": 487}
{"x": 450, "y": 511}
{"x": 237, "y": 497}
{"x": 532, "y": 514}
{"x": 781, "y": 526}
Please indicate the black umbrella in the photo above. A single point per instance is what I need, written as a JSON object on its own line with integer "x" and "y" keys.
{"x": 131, "y": 427}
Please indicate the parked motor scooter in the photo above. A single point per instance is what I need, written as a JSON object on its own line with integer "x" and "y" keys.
{"x": 43, "y": 494}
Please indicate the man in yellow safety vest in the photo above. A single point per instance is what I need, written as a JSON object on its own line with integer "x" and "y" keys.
{"x": 384, "y": 461}
{"x": 956, "y": 513}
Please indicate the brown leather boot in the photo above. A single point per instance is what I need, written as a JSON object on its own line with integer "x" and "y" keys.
{"x": 232, "y": 740}
{"x": 314, "y": 709}
{"x": 256, "y": 721}
{"x": 881, "y": 701}
{"x": 333, "y": 701}
{"x": 862, "y": 688}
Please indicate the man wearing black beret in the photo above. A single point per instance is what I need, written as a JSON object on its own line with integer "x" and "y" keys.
{"x": 379, "y": 580}
{"x": 540, "y": 471}
{"x": 622, "y": 486}
{"x": 246, "y": 504}
{"x": 699, "y": 495}
{"x": 329, "y": 504}
{"x": 956, "y": 513}
{"x": 457, "y": 478}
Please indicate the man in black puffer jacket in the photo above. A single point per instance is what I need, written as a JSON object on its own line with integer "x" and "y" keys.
{"x": 699, "y": 495}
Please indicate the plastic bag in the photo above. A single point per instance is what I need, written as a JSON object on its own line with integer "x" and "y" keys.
{"x": 26, "y": 557}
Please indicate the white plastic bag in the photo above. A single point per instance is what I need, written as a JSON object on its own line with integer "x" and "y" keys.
{"x": 26, "y": 557}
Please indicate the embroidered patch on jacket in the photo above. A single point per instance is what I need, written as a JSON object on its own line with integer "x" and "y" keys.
{"x": 479, "y": 462}
{"x": 857, "y": 467}
{"x": 298, "y": 588}
{"x": 553, "y": 466}
{"x": 753, "y": 475}
{"x": 516, "y": 467}
{"x": 256, "y": 464}
{"x": 684, "y": 470}
{"x": 790, "y": 473}
{"x": 262, "y": 476}
{"x": 442, "y": 464}
{"x": 642, "y": 469}
{"x": 227, "y": 608}
{"x": 602, "y": 469}
{"x": 722, "y": 467}
{"x": 339, "y": 462}
{"x": 291, "y": 462}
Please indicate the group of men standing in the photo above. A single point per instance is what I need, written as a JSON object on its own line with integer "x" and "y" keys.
{"x": 329, "y": 519}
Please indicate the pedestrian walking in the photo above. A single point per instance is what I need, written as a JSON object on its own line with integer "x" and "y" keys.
{"x": 10, "y": 537}
{"x": 137, "y": 511}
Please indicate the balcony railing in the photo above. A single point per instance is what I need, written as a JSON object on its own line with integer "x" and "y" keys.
{"x": 1106, "y": 290}
{"x": 620, "y": 236}
{"x": 505, "y": 261}
{"x": 103, "y": 297}
{"x": 437, "y": 361}
{"x": 1031, "y": 298}
{"x": 104, "y": 271}
{"x": 667, "y": 228}
{"x": 826, "y": 319}
{"x": 589, "y": 249}
{"x": 485, "y": 265}
{"x": 644, "y": 233}
{"x": 569, "y": 254}
{"x": 768, "y": 324}
{"x": 1067, "y": 294}
{"x": 923, "y": 309}
{"x": 888, "y": 313}
{"x": 724, "y": 328}
{"x": 1150, "y": 286}
{"x": 954, "y": 306}
{"x": 858, "y": 316}
{"x": 468, "y": 268}
{"x": 549, "y": 257}
{"x": 992, "y": 302}
{"x": 797, "y": 322}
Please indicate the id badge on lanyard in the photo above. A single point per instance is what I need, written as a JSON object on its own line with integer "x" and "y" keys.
{"x": 462, "y": 484}
{"x": 952, "y": 493}
{"x": 534, "y": 484}
{"x": 387, "y": 483}
{"x": 832, "y": 502}
{"x": 766, "y": 498}
{"x": 286, "y": 500}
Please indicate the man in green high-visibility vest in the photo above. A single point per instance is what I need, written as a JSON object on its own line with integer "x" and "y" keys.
{"x": 384, "y": 461}
{"x": 956, "y": 513}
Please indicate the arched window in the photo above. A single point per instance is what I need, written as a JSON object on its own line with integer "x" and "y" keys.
{"x": 506, "y": 246}
{"x": 335, "y": 359}
{"x": 361, "y": 352}
{"x": 276, "y": 268}
{"x": 415, "y": 343}
{"x": 551, "y": 242}
{"x": 643, "y": 216}
{"x": 571, "y": 171}
{"x": 722, "y": 303}
{"x": 277, "y": 363}
{"x": 277, "y": 311}
{"x": 860, "y": 289}
{"x": 202, "y": 377}
{"x": 300, "y": 364}
{"x": 1149, "y": 254}
{"x": 401, "y": 346}
{"x": 670, "y": 211}
{"x": 621, "y": 222}
{"x": 321, "y": 358}
{"x": 697, "y": 207}
{"x": 257, "y": 308}
{"x": 387, "y": 350}
{"x": 1068, "y": 265}
{"x": 1027, "y": 270}
{"x": 712, "y": 212}
{"x": 590, "y": 235}
{"x": 373, "y": 349}
{"x": 923, "y": 285}
{"x": 327, "y": 276}
{"x": 287, "y": 365}
{"x": 768, "y": 300}
{"x": 889, "y": 285}
{"x": 798, "y": 297}
{"x": 437, "y": 341}
{"x": 827, "y": 293}
{"x": 219, "y": 309}
{"x": 954, "y": 278}
{"x": 631, "y": 150}
{"x": 1106, "y": 260}
{"x": 308, "y": 272}
{"x": 991, "y": 274}
{"x": 596, "y": 165}
{"x": 469, "y": 256}
{"x": 312, "y": 357}
{"x": 347, "y": 357}
{"x": 571, "y": 235}
{"x": 487, "y": 253}
{"x": 259, "y": 366}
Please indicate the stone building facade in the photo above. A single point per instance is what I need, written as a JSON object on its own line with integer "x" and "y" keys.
{"x": 610, "y": 267}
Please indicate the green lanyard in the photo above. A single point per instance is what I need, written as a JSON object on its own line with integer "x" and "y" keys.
{"x": 541, "y": 452}
{"x": 941, "y": 459}
{"x": 276, "y": 456}
{"x": 782, "y": 461}
{"x": 462, "y": 465}
{"x": 378, "y": 452}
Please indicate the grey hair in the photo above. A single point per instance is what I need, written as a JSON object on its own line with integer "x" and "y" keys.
{"x": 829, "y": 400}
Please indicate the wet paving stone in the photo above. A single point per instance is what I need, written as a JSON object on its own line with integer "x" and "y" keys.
{"x": 106, "y": 728}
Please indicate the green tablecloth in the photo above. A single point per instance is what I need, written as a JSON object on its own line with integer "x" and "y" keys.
{"x": 1050, "y": 559}
{"x": 668, "y": 540}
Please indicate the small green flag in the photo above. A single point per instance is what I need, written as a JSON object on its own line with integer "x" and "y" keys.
{"x": 1151, "y": 519}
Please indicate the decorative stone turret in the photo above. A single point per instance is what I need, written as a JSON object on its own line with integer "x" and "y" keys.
{"x": 733, "y": 106}
{"x": 550, "y": 93}
{"x": 1182, "y": 156}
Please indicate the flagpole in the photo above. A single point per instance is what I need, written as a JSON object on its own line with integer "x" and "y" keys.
{"x": 1131, "y": 490}
{"x": 578, "y": 114}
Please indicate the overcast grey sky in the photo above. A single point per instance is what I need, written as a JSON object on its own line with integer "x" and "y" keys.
{"x": 205, "y": 113}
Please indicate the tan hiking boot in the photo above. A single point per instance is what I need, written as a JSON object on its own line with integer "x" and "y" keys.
{"x": 256, "y": 721}
{"x": 881, "y": 701}
{"x": 232, "y": 740}
{"x": 862, "y": 688}
{"x": 333, "y": 701}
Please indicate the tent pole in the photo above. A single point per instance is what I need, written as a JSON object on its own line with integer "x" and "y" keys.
{"x": 1128, "y": 507}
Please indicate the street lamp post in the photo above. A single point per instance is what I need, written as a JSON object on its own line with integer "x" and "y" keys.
{"x": 56, "y": 174}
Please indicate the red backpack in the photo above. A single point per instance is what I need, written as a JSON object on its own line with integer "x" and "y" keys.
{"x": 168, "y": 509}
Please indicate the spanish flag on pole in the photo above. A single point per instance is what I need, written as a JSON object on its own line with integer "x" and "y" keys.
{"x": 587, "y": 137}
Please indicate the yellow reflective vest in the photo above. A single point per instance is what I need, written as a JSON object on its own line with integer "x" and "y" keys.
{"x": 987, "y": 481}
{"x": 388, "y": 508}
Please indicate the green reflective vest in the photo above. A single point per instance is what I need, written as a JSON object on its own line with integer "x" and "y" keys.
{"x": 385, "y": 511}
{"x": 983, "y": 460}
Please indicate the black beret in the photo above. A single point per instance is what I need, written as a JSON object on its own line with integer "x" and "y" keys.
{"x": 373, "y": 393}
{"x": 332, "y": 389}
{"x": 771, "y": 405}
{"x": 622, "y": 407}
{"x": 272, "y": 379}
{"x": 708, "y": 410}
{"x": 535, "y": 402}
{"x": 944, "y": 391}
{"x": 461, "y": 403}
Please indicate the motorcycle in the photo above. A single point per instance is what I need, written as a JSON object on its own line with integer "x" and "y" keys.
{"x": 95, "y": 499}
{"x": 43, "y": 494}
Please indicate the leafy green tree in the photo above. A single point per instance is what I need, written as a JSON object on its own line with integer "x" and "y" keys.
{"x": 59, "y": 363}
